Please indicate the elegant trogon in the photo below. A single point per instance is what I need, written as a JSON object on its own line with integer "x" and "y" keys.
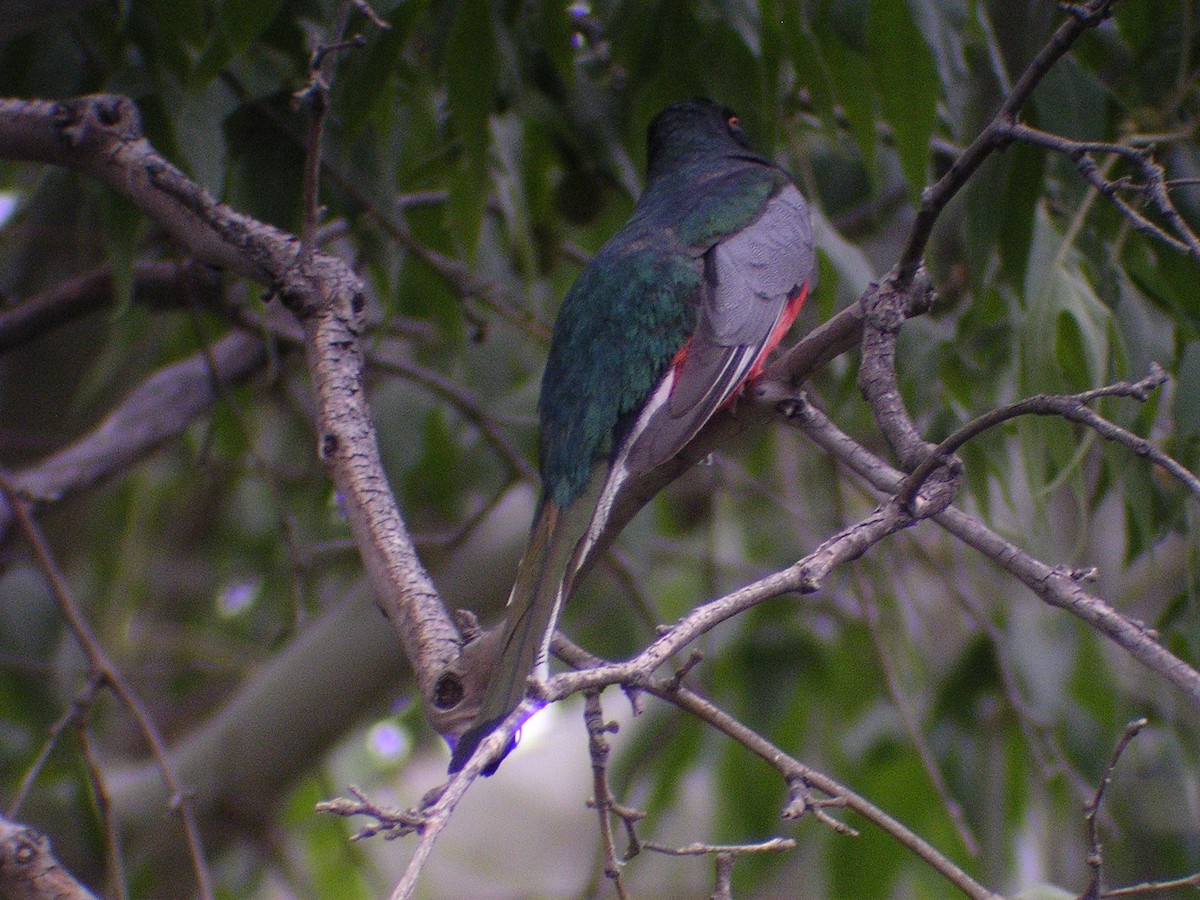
{"x": 674, "y": 314}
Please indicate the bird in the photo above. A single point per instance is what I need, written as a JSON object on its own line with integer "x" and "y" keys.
{"x": 662, "y": 329}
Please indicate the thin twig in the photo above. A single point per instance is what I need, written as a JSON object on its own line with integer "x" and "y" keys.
{"x": 774, "y": 845}
{"x": 806, "y": 576}
{"x": 158, "y": 409}
{"x": 108, "y": 817}
{"x": 1072, "y": 407}
{"x": 598, "y": 749}
{"x": 1095, "y": 856}
{"x": 1155, "y": 888}
{"x": 1055, "y": 585}
{"x": 103, "y": 669}
{"x": 934, "y": 198}
{"x": 315, "y": 96}
{"x": 1154, "y": 184}
{"x": 909, "y": 719}
{"x": 793, "y": 771}
{"x": 80, "y": 704}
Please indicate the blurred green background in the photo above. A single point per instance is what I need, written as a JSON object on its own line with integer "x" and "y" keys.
{"x": 475, "y": 154}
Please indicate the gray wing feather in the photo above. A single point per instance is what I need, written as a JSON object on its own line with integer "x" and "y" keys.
{"x": 750, "y": 276}
{"x": 748, "y": 280}
{"x": 757, "y": 269}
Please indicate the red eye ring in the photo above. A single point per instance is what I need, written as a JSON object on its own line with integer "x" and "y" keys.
{"x": 734, "y": 122}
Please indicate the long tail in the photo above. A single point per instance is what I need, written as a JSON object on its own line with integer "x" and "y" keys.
{"x": 544, "y": 580}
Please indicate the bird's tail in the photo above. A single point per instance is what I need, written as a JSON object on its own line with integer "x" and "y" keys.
{"x": 544, "y": 580}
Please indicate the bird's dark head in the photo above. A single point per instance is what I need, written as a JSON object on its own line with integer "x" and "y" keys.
{"x": 689, "y": 130}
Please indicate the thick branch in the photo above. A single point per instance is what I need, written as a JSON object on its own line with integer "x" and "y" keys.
{"x": 101, "y": 137}
{"x": 29, "y": 871}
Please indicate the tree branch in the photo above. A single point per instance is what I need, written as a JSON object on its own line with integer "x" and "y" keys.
{"x": 101, "y": 668}
{"x": 155, "y": 284}
{"x": 157, "y": 410}
{"x": 1057, "y": 586}
{"x": 101, "y": 137}
{"x": 1095, "y": 857}
{"x": 1082, "y": 17}
{"x": 29, "y": 871}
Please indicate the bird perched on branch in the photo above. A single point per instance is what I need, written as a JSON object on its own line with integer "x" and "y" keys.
{"x": 663, "y": 328}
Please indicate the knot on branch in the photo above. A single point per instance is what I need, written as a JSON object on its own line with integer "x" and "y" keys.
{"x": 107, "y": 117}
{"x": 456, "y": 695}
{"x": 931, "y": 487}
{"x": 895, "y": 298}
{"x": 802, "y": 802}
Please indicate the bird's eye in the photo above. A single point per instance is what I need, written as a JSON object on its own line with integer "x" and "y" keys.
{"x": 735, "y": 123}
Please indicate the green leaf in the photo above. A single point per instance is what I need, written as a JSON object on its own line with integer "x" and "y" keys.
{"x": 1070, "y": 352}
{"x": 1074, "y": 100}
{"x": 213, "y": 58}
{"x": 244, "y": 20}
{"x": 471, "y": 75}
{"x": 435, "y": 482}
{"x": 855, "y": 272}
{"x": 469, "y": 189}
{"x": 1023, "y": 191}
{"x": 907, "y": 81}
{"x": 731, "y": 71}
{"x": 201, "y": 141}
{"x": 1055, "y": 284}
{"x": 809, "y": 63}
{"x": 1185, "y": 409}
{"x": 472, "y": 71}
{"x": 334, "y": 864}
{"x": 122, "y": 225}
{"x": 854, "y": 83}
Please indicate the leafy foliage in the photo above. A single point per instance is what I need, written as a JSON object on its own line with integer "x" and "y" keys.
{"x": 474, "y": 153}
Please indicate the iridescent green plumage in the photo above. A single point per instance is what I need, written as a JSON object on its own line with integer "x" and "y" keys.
{"x": 661, "y": 329}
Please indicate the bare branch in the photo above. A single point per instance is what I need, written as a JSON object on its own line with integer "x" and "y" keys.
{"x": 101, "y": 136}
{"x": 797, "y": 773}
{"x": 315, "y": 97}
{"x": 800, "y": 777}
{"x": 806, "y": 576}
{"x": 74, "y": 714}
{"x": 156, "y": 284}
{"x": 154, "y": 412}
{"x": 1153, "y": 185}
{"x": 1095, "y": 857}
{"x": 774, "y": 845}
{"x": 726, "y": 855}
{"x": 1055, "y": 585}
{"x": 102, "y": 669}
{"x": 886, "y": 306}
{"x": 934, "y": 198}
{"x": 1155, "y": 888}
{"x": 104, "y": 806}
{"x": 1071, "y": 407}
{"x": 598, "y": 748}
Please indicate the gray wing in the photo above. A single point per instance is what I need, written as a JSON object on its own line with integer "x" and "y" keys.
{"x": 749, "y": 279}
